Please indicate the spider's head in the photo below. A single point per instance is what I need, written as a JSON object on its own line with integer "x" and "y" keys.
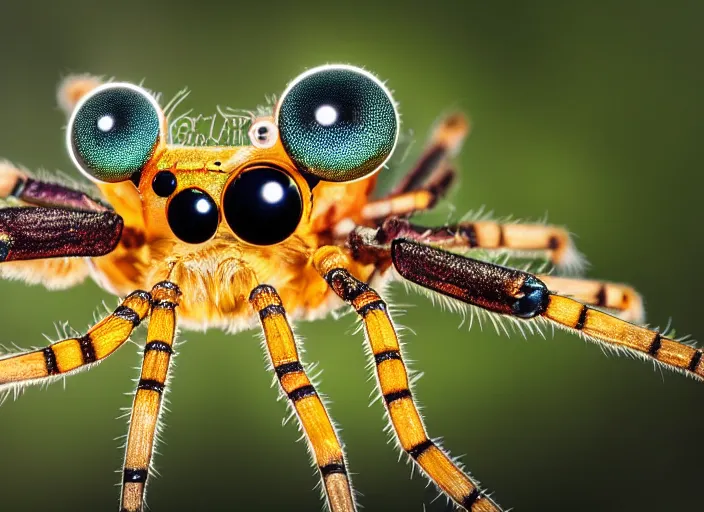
{"x": 334, "y": 123}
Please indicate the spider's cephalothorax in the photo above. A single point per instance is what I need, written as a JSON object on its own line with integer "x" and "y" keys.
{"x": 225, "y": 236}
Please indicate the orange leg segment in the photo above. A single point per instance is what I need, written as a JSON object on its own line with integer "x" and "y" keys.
{"x": 393, "y": 381}
{"x": 401, "y": 204}
{"x": 518, "y": 240}
{"x": 608, "y": 329}
{"x": 620, "y": 298}
{"x": 73, "y": 354}
{"x": 323, "y": 440}
{"x": 148, "y": 398}
{"x": 431, "y": 168}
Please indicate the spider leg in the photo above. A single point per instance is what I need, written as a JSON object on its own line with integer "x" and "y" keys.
{"x": 429, "y": 179}
{"x": 69, "y": 222}
{"x": 622, "y": 299}
{"x": 15, "y": 183}
{"x": 520, "y": 240}
{"x": 393, "y": 381}
{"x": 148, "y": 397}
{"x": 444, "y": 143}
{"x": 523, "y": 296}
{"x": 70, "y": 355}
{"x": 406, "y": 203}
{"x": 323, "y": 440}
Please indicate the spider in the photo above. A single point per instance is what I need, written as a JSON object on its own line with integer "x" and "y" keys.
{"x": 280, "y": 229}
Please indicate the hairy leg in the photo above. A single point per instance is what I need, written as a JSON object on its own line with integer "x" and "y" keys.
{"x": 445, "y": 141}
{"x": 73, "y": 354}
{"x": 621, "y": 299}
{"x": 323, "y": 441}
{"x": 148, "y": 398}
{"x": 393, "y": 381}
{"x": 523, "y": 296}
{"x": 521, "y": 240}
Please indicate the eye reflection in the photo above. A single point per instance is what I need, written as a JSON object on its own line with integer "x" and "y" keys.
{"x": 106, "y": 123}
{"x": 272, "y": 192}
{"x": 203, "y": 206}
{"x": 326, "y": 115}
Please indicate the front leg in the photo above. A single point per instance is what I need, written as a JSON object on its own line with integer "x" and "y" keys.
{"x": 148, "y": 398}
{"x": 47, "y": 228}
{"x": 393, "y": 382}
{"x": 325, "y": 445}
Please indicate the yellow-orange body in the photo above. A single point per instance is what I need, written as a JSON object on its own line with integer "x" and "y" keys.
{"x": 216, "y": 277}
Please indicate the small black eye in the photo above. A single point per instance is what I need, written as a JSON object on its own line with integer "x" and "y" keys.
{"x": 193, "y": 216}
{"x": 114, "y": 131}
{"x": 337, "y": 122}
{"x": 263, "y": 205}
{"x": 164, "y": 183}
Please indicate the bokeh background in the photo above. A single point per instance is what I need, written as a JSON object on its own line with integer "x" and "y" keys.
{"x": 590, "y": 111}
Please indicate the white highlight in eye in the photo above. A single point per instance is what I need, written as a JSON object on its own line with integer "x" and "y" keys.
{"x": 202, "y": 206}
{"x": 106, "y": 123}
{"x": 326, "y": 115}
{"x": 272, "y": 192}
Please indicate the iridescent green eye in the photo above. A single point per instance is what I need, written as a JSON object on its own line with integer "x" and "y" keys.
{"x": 337, "y": 122}
{"x": 113, "y": 132}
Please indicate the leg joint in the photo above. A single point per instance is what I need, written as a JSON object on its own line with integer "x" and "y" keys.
{"x": 137, "y": 476}
{"x": 151, "y": 385}
{"x": 333, "y": 467}
{"x": 420, "y": 448}
{"x": 302, "y": 392}
{"x": 159, "y": 346}
{"x": 389, "y": 398}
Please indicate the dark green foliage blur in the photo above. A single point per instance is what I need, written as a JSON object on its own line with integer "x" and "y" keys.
{"x": 591, "y": 111}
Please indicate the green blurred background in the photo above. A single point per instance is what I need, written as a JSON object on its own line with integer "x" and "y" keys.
{"x": 589, "y": 111}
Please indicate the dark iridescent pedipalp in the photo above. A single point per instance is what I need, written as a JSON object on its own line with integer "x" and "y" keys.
{"x": 28, "y": 233}
{"x": 492, "y": 287}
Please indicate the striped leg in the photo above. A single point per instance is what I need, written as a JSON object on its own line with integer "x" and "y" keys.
{"x": 148, "y": 398}
{"x": 429, "y": 179}
{"x": 521, "y": 240}
{"x": 519, "y": 294}
{"x": 620, "y": 298}
{"x": 323, "y": 441}
{"x": 392, "y": 378}
{"x": 401, "y": 204}
{"x": 71, "y": 355}
{"x": 444, "y": 143}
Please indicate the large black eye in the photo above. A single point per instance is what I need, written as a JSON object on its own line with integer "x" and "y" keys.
{"x": 263, "y": 205}
{"x": 337, "y": 122}
{"x": 193, "y": 216}
{"x": 113, "y": 132}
